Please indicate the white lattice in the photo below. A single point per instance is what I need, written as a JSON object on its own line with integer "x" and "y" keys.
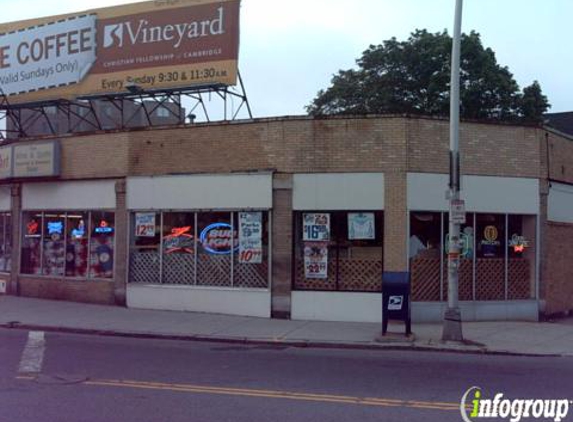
{"x": 144, "y": 267}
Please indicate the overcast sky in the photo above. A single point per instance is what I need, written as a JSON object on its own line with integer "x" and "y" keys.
{"x": 291, "y": 48}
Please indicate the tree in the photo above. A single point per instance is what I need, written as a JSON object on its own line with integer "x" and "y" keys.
{"x": 413, "y": 77}
{"x": 533, "y": 103}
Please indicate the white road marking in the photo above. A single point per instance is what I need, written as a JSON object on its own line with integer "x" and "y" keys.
{"x": 33, "y": 354}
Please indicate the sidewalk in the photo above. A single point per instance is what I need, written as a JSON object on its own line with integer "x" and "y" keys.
{"x": 523, "y": 338}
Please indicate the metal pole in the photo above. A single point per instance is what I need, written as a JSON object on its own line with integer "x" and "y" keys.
{"x": 452, "y": 329}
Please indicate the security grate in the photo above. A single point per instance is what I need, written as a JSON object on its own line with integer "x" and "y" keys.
{"x": 520, "y": 282}
{"x": 144, "y": 268}
{"x": 179, "y": 268}
{"x": 425, "y": 279}
{"x": 214, "y": 270}
{"x": 250, "y": 275}
{"x": 353, "y": 275}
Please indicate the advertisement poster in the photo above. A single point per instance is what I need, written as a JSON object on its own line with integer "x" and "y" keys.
{"x": 316, "y": 260}
{"x": 250, "y": 237}
{"x": 145, "y": 224}
{"x": 361, "y": 226}
{"x": 151, "y": 45}
{"x": 316, "y": 227}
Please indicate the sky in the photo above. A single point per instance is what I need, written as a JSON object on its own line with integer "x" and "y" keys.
{"x": 289, "y": 50}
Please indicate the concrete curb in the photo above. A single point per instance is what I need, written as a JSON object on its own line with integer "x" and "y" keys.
{"x": 278, "y": 343}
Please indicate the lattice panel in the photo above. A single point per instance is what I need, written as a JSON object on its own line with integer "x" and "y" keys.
{"x": 214, "y": 270}
{"x": 144, "y": 267}
{"x": 303, "y": 283}
{"x": 179, "y": 268}
{"x": 251, "y": 275}
{"x": 520, "y": 285}
{"x": 425, "y": 279}
{"x": 354, "y": 275}
{"x": 465, "y": 280}
{"x": 360, "y": 275}
{"x": 490, "y": 279}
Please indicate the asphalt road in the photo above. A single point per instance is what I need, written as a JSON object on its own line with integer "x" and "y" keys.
{"x": 95, "y": 378}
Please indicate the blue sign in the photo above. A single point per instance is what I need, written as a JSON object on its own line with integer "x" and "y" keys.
{"x": 217, "y": 238}
{"x": 56, "y": 227}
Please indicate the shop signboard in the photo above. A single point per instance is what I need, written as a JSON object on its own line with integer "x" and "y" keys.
{"x": 5, "y": 162}
{"x": 250, "y": 237}
{"x": 39, "y": 159}
{"x": 361, "y": 226}
{"x": 316, "y": 227}
{"x": 316, "y": 260}
{"x": 145, "y": 224}
{"x": 152, "y": 45}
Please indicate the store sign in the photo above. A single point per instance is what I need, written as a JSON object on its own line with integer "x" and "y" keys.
{"x": 40, "y": 159}
{"x": 32, "y": 228}
{"x": 145, "y": 224}
{"x": 250, "y": 237}
{"x": 103, "y": 228}
{"x": 316, "y": 227}
{"x": 180, "y": 240}
{"x": 361, "y": 226}
{"x": 518, "y": 243}
{"x": 218, "y": 239}
{"x": 316, "y": 260}
{"x": 153, "y": 45}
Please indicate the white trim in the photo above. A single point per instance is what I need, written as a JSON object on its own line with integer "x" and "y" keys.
{"x": 195, "y": 192}
{"x": 338, "y": 191}
{"x": 560, "y": 203}
{"x": 513, "y": 195}
{"x": 231, "y": 301}
{"x": 73, "y": 195}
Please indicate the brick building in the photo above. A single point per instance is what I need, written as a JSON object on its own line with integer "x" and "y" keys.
{"x": 160, "y": 218}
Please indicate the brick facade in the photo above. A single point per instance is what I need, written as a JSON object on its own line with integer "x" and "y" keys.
{"x": 393, "y": 145}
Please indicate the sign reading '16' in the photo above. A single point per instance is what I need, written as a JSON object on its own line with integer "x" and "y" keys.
{"x": 153, "y": 44}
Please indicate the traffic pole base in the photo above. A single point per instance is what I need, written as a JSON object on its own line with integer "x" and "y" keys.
{"x": 452, "y": 330}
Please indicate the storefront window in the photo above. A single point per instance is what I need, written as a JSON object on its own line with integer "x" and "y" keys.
{"x": 227, "y": 249}
{"x": 77, "y": 232}
{"x": 497, "y": 257}
{"x": 53, "y": 243}
{"x": 178, "y": 248}
{"x": 144, "y": 258}
{"x": 5, "y": 242}
{"x": 32, "y": 243}
{"x": 250, "y": 260}
{"x": 101, "y": 246}
{"x": 59, "y": 243}
{"x": 217, "y": 242}
{"x": 338, "y": 250}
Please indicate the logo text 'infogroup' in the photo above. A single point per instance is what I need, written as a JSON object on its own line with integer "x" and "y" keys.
{"x": 142, "y": 31}
{"x": 474, "y": 406}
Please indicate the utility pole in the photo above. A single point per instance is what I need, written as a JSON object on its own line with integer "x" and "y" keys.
{"x": 452, "y": 329}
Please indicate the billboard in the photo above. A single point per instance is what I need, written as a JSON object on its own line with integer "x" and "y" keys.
{"x": 154, "y": 45}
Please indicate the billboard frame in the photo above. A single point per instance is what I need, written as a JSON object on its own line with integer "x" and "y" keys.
{"x": 16, "y": 120}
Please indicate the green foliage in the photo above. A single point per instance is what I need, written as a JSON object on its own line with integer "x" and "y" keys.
{"x": 413, "y": 77}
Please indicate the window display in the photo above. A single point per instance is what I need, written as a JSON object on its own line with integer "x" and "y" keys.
{"x": 227, "y": 249}
{"x": 75, "y": 244}
{"x": 497, "y": 257}
{"x": 338, "y": 250}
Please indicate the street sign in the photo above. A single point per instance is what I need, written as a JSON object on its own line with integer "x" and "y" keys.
{"x": 458, "y": 210}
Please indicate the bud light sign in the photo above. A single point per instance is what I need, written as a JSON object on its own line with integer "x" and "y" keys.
{"x": 219, "y": 238}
